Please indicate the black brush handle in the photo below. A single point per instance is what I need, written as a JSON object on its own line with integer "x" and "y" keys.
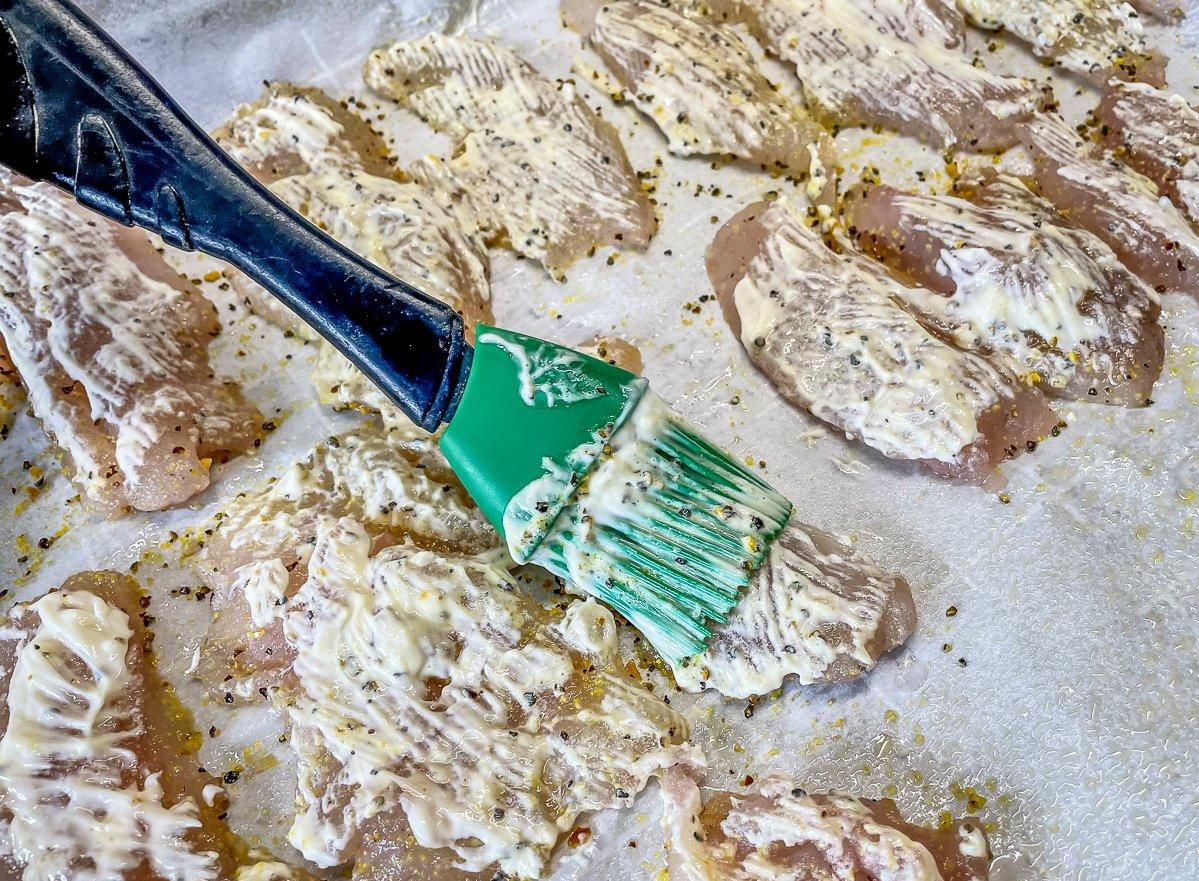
{"x": 77, "y": 111}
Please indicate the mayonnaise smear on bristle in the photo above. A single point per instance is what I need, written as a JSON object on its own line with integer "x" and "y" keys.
{"x": 64, "y": 760}
{"x": 550, "y": 376}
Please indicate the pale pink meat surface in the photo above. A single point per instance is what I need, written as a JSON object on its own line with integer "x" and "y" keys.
{"x": 816, "y": 610}
{"x": 614, "y": 350}
{"x": 1169, "y": 11}
{"x": 890, "y": 64}
{"x": 534, "y": 165}
{"x": 399, "y": 491}
{"x": 696, "y": 79}
{"x": 1095, "y": 39}
{"x": 136, "y": 738}
{"x": 112, "y": 348}
{"x": 1157, "y": 133}
{"x": 833, "y": 334}
{"x": 780, "y": 832}
{"x": 1004, "y": 275}
{"x": 292, "y": 130}
{"x": 1101, "y": 194}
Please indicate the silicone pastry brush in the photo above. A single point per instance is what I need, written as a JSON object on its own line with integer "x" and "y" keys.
{"x": 580, "y": 466}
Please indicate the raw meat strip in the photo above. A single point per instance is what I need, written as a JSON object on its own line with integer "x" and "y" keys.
{"x": 1157, "y": 133}
{"x": 696, "y": 79}
{"x": 1006, "y": 276}
{"x": 1115, "y": 203}
{"x": 781, "y": 833}
{"x": 97, "y": 783}
{"x": 265, "y": 538}
{"x": 423, "y": 686}
{"x": 112, "y": 348}
{"x": 866, "y": 63}
{"x": 1093, "y": 38}
{"x": 832, "y": 332}
{"x": 533, "y": 162}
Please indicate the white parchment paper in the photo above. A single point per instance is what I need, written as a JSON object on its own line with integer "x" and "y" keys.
{"x": 1062, "y": 691}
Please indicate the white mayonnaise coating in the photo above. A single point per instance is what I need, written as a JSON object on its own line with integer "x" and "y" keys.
{"x": 780, "y": 832}
{"x": 815, "y": 609}
{"x": 832, "y": 334}
{"x": 534, "y": 162}
{"x": 590, "y": 629}
{"x": 365, "y": 474}
{"x": 865, "y": 62}
{"x": 1134, "y": 216}
{"x": 1013, "y": 274}
{"x": 834, "y": 825}
{"x": 402, "y": 229}
{"x": 498, "y": 761}
{"x": 700, "y": 84}
{"x": 264, "y": 585}
{"x": 1161, "y": 127}
{"x": 548, "y": 376}
{"x": 972, "y": 842}
{"x": 393, "y": 481}
{"x": 64, "y": 771}
{"x": 111, "y": 358}
{"x": 285, "y": 122}
{"x": 1084, "y": 36}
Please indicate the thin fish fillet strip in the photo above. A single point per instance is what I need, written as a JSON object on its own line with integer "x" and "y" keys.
{"x": 1092, "y": 38}
{"x": 112, "y": 349}
{"x": 329, "y": 166}
{"x": 816, "y": 610}
{"x": 1098, "y": 192}
{"x": 1005, "y": 275}
{"x": 780, "y": 832}
{"x": 1157, "y": 133}
{"x": 534, "y": 165}
{"x": 833, "y": 334}
{"x": 290, "y": 131}
{"x": 868, "y": 63}
{"x": 95, "y": 780}
{"x": 398, "y": 487}
{"x": 426, "y": 686}
{"x": 697, "y": 80}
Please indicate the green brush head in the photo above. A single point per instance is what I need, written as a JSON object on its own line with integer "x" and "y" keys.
{"x": 588, "y": 474}
{"x": 531, "y": 408}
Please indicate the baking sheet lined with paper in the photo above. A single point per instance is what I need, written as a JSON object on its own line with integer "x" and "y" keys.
{"x": 1047, "y": 690}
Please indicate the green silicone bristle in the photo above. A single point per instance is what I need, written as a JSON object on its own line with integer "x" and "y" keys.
{"x": 591, "y": 476}
{"x": 677, "y": 563}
